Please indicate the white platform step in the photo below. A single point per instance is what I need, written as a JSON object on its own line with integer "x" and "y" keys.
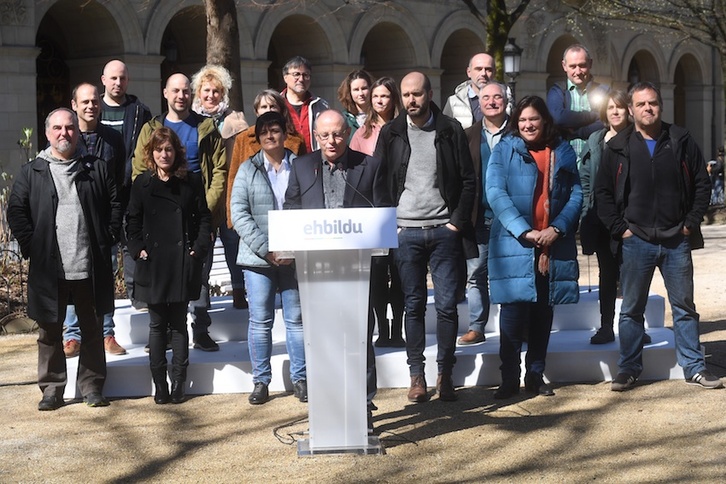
{"x": 570, "y": 356}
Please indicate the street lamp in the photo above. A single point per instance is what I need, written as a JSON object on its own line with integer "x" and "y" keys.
{"x": 512, "y": 62}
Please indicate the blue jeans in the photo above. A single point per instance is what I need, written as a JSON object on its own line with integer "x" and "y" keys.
{"x": 73, "y": 329}
{"x": 440, "y": 248}
{"x": 199, "y": 307}
{"x": 477, "y": 281}
{"x": 717, "y": 195}
{"x": 230, "y": 241}
{"x": 673, "y": 258}
{"x": 262, "y": 285}
{"x": 517, "y": 318}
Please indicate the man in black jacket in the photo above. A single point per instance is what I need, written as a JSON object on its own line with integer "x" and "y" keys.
{"x": 652, "y": 191}
{"x": 65, "y": 216}
{"x": 337, "y": 177}
{"x": 431, "y": 182}
{"x": 126, "y": 114}
{"x": 106, "y": 144}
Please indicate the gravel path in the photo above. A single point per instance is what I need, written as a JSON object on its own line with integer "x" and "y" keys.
{"x": 660, "y": 431}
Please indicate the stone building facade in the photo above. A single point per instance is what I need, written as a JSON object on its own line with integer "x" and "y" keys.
{"x": 48, "y": 46}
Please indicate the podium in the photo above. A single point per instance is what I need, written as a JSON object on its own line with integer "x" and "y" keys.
{"x": 332, "y": 251}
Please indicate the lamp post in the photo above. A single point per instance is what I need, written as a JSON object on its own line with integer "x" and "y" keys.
{"x": 512, "y": 62}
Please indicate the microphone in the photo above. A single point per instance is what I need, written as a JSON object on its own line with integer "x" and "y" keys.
{"x": 341, "y": 168}
{"x": 316, "y": 171}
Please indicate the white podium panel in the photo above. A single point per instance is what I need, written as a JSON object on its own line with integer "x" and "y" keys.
{"x": 334, "y": 289}
{"x": 332, "y": 250}
{"x": 339, "y": 229}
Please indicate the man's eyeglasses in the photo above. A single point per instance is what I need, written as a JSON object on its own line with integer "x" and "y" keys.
{"x": 327, "y": 136}
{"x": 298, "y": 75}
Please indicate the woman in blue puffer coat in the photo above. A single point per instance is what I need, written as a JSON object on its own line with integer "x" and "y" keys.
{"x": 534, "y": 190}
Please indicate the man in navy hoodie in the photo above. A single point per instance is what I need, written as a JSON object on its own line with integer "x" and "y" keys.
{"x": 652, "y": 191}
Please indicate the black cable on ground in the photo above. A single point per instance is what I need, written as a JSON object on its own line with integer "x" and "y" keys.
{"x": 18, "y": 384}
{"x": 290, "y": 438}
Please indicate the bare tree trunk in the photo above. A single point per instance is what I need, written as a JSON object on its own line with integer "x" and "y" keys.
{"x": 223, "y": 43}
{"x": 498, "y": 22}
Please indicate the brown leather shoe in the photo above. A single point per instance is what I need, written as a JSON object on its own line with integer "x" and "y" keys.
{"x": 445, "y": 388}
{"x": 111, "y": 346}
{"x": 72, "y": 348}
{"x": 417, "y": 393}
{"x": 472, "y": 338}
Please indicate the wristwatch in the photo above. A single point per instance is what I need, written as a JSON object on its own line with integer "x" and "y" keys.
{"x": 557, "y": 231}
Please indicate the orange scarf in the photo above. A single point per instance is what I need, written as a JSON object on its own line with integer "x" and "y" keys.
{"x": 545, "y": 160}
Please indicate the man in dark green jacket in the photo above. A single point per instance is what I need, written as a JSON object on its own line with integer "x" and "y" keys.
{"x": 205, "y": 154}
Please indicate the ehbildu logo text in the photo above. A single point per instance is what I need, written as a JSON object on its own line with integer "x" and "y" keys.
{"x": 333, "y": 227}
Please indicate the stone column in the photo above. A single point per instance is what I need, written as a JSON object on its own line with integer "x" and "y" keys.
{"x": 145, "y": 80}
{"x": 18, "y": 98}
{"x": 254, "y": 79}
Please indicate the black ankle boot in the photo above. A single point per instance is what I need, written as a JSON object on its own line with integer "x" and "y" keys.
{"x": 384, "y": 338}
{"x": 161, "y": 396}
{"x": 177, "y": 392}
{"x": 397, "y": 340}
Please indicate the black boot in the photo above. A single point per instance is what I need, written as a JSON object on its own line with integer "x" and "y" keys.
{"x": 384, "y": 338}
{"x": 397, "y": 340}
{"x": 603, "y": 336}
{"x": 161, "y": 394}
{"x": 177, "y": 391}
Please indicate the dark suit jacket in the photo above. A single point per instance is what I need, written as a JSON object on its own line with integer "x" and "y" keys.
{"x": 366, "y": 173}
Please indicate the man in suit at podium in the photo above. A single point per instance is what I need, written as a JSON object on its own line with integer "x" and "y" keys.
{"x": 432, "y": 183}
{"x": 337, "y": 177}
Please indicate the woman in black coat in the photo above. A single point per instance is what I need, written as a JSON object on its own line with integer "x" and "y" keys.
{"x": 168, "y": 234}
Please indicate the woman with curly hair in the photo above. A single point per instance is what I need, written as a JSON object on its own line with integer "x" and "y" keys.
{"x": 211, "y": 86}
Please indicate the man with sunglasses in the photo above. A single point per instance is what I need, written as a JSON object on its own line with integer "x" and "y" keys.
{"x": 304, "y": 107}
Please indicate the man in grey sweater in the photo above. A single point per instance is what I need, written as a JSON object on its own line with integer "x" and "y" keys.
{"x": 432, "y": 183}
{"x": 65, "y": 216}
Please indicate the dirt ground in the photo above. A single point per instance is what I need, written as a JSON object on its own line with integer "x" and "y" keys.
{"x": 663, "y": 431}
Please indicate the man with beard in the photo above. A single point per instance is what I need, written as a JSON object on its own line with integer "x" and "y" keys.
{"x": 431, "y": 182}
{"x": 65, "y": 216}
{"x": 205, "y": 153}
